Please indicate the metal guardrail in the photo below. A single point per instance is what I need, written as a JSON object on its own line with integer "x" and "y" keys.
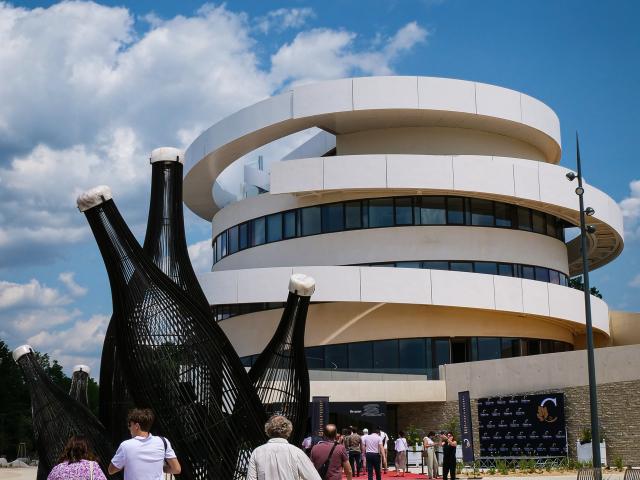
{"x": 589, "y": 474}
{"x": 632, "y": 473}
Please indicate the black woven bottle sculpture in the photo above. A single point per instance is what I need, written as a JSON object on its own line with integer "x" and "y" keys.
{"x": 57, "y": 416}
{"x": 80, "y": 384}
{"x": 166, "y": 341}
{"x": 166, "y": 246}
{"x": 280, "y": 374}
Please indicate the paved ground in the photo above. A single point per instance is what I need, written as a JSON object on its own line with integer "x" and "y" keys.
{"x": 28, "y": 473}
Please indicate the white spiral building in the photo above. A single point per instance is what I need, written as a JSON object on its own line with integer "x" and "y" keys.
{"x": 430, "y": 211}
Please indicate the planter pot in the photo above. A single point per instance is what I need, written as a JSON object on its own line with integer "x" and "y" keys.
{"x": 585, "y": 452}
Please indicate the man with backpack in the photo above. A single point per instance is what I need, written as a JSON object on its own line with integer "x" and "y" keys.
{"x": 329, "y": 457}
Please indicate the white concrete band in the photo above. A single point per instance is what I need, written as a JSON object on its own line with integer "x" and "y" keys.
{"x": 346, "y": 106}
{"x": 410, "y": 286}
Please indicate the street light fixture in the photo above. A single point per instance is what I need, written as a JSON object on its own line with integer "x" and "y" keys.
{"x": 584, "y": 230}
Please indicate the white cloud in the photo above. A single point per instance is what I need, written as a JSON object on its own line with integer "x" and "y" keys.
{"x": 67, "y": 278}
{"x": 30, "y": 294}
{"x": 630, "y": 207}
{"x": 284, "y": 18}
{"x": 201, "y": 256}
{"x": 80, "y": 337}
{"x": 635, "y": 282}
{"x": 322, "y": 53}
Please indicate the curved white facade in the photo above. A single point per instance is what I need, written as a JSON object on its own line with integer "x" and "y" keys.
{"x": 390, "y": 143}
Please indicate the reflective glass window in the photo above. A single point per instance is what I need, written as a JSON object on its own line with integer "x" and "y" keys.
{"x": 310, "y": 219}
{"x": 524, "y": 219}
{"x": 385, "y": 354}
{"x": 233, "y": 240}
{"x": 527, "y": 272}
{"x": 353, "y": 215}
{"x": 243, "y": 240}
{"x": 315, "y": 357}
{"x": 274, "y": 227}
{"x": 336, "y": 356}
{"x": 381, "y": 212}
{"x": 246, "y": 361}
{"x": 432, "y": 211}
{"x": 441, "y": 353}
{"x": 489, "y": 348}
{"x": 554, "y": 277}
{"x": 408, "y": 264}
{"x": 481, "y": 212}
{"x": 486, "y": 267}
{"x": 333, "y": 218}
{"x": 455, "y": 211}
{"x": 559, "y": 347}
{"x": 435, "y": 265}
{"x": 216, "y": 249}
{"x": 412, "y": 355}
{"x": 504, "y": 215}
{"x": 257, "y": 231}
{"x": 505, "y": 269}
{"x": 542, "y": 274}
{"x": 564, "y": 280}
{"x": 539, "y": 222}
{"x": 533, "y": 347}
{"x": 546, "y": 346}
{"x": 223, "y": 244}
{"x": 510, "y": 347}
{"x": 404, "y": 210}
{"x": 365, "y": 214}
{"x": 360, "y": 355}
{"x": 289, "y": 224}
{"x": 461, "y": 266}
{"x": 552, "y": 229}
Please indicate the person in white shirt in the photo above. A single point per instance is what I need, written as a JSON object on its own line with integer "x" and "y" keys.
{"x": 372, "y": 446}
{"x": 429, "y": 451}
{"x": 385, "y": 447}
{"x": 143, "y": 456}
{"x": 278, "y": 459}
{"x": 401, "y": 447}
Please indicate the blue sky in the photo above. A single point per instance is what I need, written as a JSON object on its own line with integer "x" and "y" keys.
{"x": 89, "y": 89}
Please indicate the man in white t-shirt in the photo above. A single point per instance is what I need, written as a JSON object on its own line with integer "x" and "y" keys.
{"x": 372, "y": 446}
{"x": 143, "y": 456}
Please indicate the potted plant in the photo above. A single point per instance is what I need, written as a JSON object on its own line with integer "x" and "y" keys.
{"x": 585, "y": 450}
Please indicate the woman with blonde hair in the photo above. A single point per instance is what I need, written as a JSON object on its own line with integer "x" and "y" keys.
{"x": 77, "y": 462}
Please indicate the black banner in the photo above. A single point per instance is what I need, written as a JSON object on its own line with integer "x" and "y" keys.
{"x": 319, "y": 414}
{"x": 522, "y": 426}
{"x": 466, "y": 428}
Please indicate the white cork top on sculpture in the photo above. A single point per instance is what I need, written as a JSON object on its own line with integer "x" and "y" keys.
{"x": 302, "y": 284}
{"x": 93, "y": 197}
{"x": 82, "y": 368}
{"x": 20, "y": 351}
{"x": 167, "y": 154}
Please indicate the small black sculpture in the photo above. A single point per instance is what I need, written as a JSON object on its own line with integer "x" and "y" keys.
{"x": 80, "y": 384}
{"x": 280, "y": 374}
{"x": 57, "y": 416}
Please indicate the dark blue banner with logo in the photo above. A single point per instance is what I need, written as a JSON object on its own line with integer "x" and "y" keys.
{"x": 466, "y": 428}
{"x": 319, "y": 414}
{"x": 522, "y": 426}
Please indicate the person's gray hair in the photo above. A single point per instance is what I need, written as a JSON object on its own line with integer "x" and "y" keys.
{"x": 278, "y": 427}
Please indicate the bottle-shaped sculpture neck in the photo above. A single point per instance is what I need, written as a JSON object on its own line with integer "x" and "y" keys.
{"x": 165, "y": 242}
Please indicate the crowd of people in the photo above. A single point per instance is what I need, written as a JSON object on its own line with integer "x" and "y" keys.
{"x": 326, "y": 456}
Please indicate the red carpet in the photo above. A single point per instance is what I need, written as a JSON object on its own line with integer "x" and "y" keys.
{"x": 391, "y": 475}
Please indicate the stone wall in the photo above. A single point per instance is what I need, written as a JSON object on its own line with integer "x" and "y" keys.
{"x": 618, "y": 407}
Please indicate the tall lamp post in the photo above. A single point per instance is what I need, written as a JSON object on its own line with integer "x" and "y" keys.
{"x": 584, "y": 230}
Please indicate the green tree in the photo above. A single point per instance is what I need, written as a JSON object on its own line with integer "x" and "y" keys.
{"x": 578, "y": 284}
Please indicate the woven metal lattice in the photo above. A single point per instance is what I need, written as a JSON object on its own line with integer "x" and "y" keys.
{"x": 79, "y": 387}
{"x": 280, "y": 374}
{"x": 57, "y": 417}
{"x": 166, "y": 246}
{"x": 177, "y": 360}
